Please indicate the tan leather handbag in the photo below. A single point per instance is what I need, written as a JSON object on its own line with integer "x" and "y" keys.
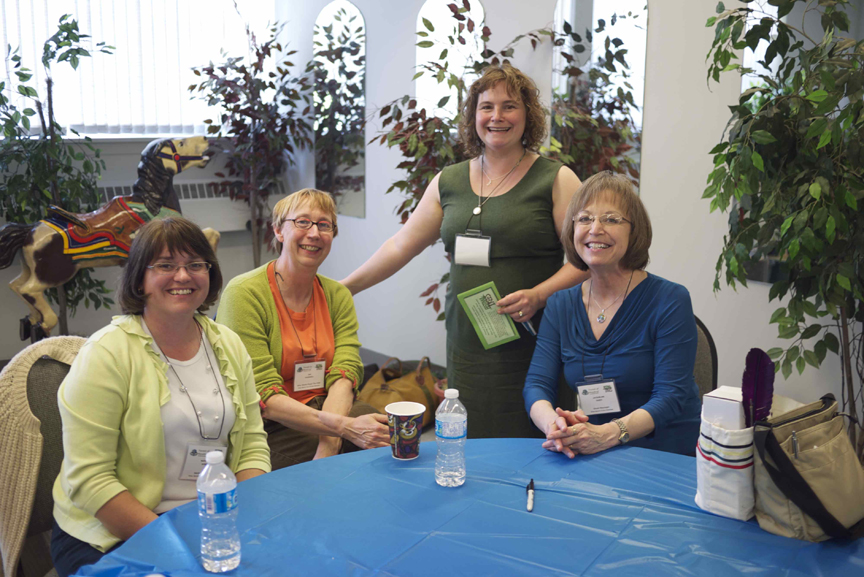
{"x": 389, "y": 385}
{"x": 809, "y": 482}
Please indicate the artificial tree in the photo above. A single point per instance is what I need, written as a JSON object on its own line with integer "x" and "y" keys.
{"x": 261, "y": 118}
{"x": 790, "y": 173}
{"x": 39, "y": 168}
{"x": 337, "y": 70}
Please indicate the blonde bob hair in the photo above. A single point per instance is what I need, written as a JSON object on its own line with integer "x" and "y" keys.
{"x": 317, "y": 199}
{"x": 518, "y": 85}
{"x": 619, "y": 190}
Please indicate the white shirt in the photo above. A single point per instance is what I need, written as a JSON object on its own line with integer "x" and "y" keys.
{"x": 179, "y": 423}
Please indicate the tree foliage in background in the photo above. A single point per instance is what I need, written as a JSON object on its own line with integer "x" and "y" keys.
{"x": 592, "y": 122}
{"x": 261, "y": 119}
{"x": 790, "y": 173}
{"x": 339, "y": 103}
{"x": 37, "y": 167}
{"x": 596, "y": 128}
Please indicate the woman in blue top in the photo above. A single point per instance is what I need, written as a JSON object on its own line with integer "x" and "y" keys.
{"x": 626, "y": 339}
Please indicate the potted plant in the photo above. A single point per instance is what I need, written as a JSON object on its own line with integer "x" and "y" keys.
{"x": 789, "y": 171}
{"x": 37, "y": 164}
{"x": 261, "y": 119}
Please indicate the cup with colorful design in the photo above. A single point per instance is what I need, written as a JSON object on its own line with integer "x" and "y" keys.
{"x": 405, "y": 420}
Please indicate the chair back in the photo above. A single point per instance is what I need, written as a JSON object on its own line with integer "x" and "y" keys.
{"x": 705, "y": 369}
{"x": 31, "y": 450}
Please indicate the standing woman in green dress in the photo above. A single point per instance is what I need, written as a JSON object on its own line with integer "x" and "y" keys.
{"x": 517, "y": 199}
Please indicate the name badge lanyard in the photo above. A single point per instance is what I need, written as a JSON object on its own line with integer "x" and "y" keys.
{"x": 598, "y": 376}
{"x": 185, "y": 391}
{"x": 309, "y": 356}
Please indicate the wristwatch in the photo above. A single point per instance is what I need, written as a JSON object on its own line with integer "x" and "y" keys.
{"x": 625, "y": 434}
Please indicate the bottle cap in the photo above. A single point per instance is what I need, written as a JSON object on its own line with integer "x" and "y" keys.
{"x": 451, "y": 394}
{"x": 214, "y": 457}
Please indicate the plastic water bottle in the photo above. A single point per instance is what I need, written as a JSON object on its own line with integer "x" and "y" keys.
{"x": 217, "y": 507}
{"x": 451, "y": 428}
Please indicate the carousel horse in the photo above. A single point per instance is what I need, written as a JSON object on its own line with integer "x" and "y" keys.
{"x": 54, "y": 249}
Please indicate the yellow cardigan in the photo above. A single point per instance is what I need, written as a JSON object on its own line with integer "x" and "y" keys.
{"x": 110, "y": 404}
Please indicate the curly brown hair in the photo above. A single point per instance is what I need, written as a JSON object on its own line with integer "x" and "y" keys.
{"x": 518, "y": 84}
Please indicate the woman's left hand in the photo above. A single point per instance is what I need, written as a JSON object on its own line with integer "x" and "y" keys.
{"x": 581, "y": 436}
{"x": 520, "y": 305}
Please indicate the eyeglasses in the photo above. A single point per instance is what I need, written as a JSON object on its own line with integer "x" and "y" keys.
{"x": 324, "y": 226}
{"x": 171, "y": 268}
{"x": 610, "y": 219}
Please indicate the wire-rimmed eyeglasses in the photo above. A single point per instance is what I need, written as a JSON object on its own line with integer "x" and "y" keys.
{"x": 171, "y": 268}
{"x": 609, "y": 219}
{"x": 324, "y": 226}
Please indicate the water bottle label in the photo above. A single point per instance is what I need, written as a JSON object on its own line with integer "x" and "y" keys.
{"x": 215, "y": 503}
{"x": 451, "y": 430}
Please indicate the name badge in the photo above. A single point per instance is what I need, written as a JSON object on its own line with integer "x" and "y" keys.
{"x": 598, "y": 397}
{"x": 196, "y": 459}
{"x": 472, "y": 249}
{"x": 309, "y": 375}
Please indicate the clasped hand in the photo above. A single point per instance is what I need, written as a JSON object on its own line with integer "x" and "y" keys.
{"x": 367, "y": 431}
{"x": 571, "y": 433}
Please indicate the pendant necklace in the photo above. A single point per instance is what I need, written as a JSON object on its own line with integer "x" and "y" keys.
{"x": 601, "y": 318}
{"x": 217, "y": 390}
{"x": 480, "y": 200}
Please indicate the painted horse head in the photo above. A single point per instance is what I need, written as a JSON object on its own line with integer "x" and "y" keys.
{"x": 160, "y": 161}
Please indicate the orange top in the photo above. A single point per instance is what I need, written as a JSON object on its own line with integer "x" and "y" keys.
{"x": 312, "y": 340}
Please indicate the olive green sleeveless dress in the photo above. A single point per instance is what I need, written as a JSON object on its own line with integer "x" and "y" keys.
{"x": 525, "y": 252}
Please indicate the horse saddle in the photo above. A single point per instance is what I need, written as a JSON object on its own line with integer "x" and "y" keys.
{"x": 117, "y": 220}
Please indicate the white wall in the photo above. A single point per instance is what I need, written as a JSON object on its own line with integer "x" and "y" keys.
{"x": 683, "y": 119}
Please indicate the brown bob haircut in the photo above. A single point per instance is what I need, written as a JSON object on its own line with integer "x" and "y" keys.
{"x": 315, "y": 198}
{"x": 617, "y": 189}
{"x": 517, "y": 84}
{"x": 180, "y": 236}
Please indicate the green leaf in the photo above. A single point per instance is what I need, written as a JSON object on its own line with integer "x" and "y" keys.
{"x": 794, "y": 247}
{"x": 425, "y": 44}
{"x": 775, "y": 353}
{"x": 815, "y": 190}
{"x": 786, "y": 224}
{"x": 811, "y": 359}
{"x": 443, "y": 102}
{"x": 830, "y": 226}
{"x": 428, "y": 25}
{"x": 787, "y": 368}
{"x": 763, "y": 137}
{"x": 811, "y": 332}
{"x": 844, "y": 282}
{"x": 720, "y": 8}
{"x": 800, "y": 365}
{"x": 418, "y": 75}
{"x": 817, "y": 96}
{"x": 851, "y": 202}
{"x": 816, "y": 127}
{"x": 824, "y": 139}
{"x": 711, "y": 22}
{"x": 777, "y": 315}
{"x": 831, "y": 342}
{"x": 757, "y": 161}
{"x": 792, "y": 354}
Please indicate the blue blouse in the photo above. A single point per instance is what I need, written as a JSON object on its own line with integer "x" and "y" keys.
{"x": 649, "y": 349}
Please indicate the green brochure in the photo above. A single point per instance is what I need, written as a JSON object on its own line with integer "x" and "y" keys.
{"x": 492, "y": 328}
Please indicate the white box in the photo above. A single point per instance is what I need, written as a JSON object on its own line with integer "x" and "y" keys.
{"x": 722, "y": 407}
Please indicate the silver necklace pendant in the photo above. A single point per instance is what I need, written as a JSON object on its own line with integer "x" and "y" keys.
{"x": 477, "y": 210}
{"x": 601, "y": 318}
{"x": 182, "y": 389}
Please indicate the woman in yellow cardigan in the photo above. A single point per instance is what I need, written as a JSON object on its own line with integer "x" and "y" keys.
{"x": 301, "y": 330}
{"x": 148, "y": 396}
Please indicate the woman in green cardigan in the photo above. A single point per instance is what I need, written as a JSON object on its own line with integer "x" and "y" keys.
{"x": 301, "y": 330}
{"x": 148, "y": 396}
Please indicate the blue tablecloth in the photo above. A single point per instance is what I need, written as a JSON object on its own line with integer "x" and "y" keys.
{"x": 627, "y": 511}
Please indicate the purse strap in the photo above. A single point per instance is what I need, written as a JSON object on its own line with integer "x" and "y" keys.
{"x": 795, "y": 487}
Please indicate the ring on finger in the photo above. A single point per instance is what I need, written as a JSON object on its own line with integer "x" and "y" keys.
{"x": 521, "y": 314}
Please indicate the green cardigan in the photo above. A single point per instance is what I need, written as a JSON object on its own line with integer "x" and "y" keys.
{"x": 248, "y": 308}
{"x": 110, "y": 404}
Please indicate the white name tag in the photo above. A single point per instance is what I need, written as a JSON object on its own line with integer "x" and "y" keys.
{"x": 598, "y": 397}
{"x": 309, "y": 375}
{"x": 196, "y": 459}
{"x": 472, "y": 250}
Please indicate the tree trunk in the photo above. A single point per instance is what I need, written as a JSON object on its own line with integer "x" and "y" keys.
{"x": 55, "y": 194}
{"x": 846, "y": 359}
